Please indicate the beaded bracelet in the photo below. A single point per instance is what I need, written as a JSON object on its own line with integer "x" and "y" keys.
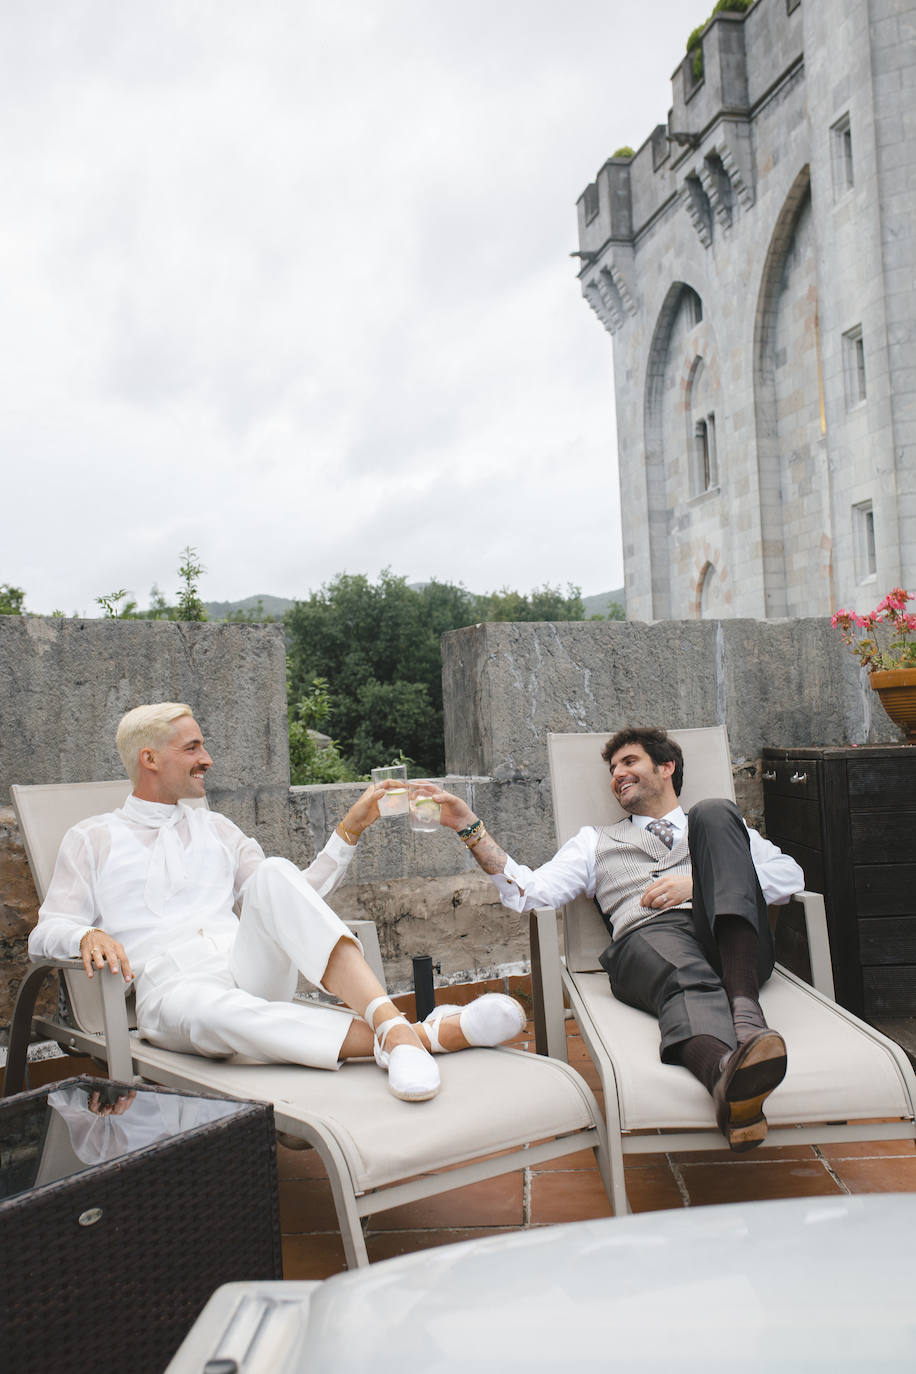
{"x": 476, "y": 840}
{"x": 469, "y": 831}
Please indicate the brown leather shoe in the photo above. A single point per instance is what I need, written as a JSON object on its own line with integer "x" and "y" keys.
{"x": 749, "y": 1075}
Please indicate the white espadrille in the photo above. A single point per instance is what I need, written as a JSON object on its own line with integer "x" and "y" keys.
{"x": 412, "y": 1072}
{"x": 488, "y": 1020}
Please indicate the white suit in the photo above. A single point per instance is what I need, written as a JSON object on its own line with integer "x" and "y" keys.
{"x": 164, "y": 880}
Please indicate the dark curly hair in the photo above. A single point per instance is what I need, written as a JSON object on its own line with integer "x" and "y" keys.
{"x": 657, "y": 744}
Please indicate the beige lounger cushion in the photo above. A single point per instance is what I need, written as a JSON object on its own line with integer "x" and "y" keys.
{"x": 833, "y": 1063}
{"x": 385, "y": 1140}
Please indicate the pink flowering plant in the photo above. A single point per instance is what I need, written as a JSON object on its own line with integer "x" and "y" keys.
{"x": 885, "y": 643}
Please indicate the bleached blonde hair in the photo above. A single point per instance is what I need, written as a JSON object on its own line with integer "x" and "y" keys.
{"x": 146, "y": 727}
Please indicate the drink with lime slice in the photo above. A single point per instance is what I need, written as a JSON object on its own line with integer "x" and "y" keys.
{"x": 393, "y": 802}
{"x": 424, "y": 812}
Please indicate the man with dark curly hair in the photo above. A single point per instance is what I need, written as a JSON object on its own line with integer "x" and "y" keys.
{"x": 685, "y": 903}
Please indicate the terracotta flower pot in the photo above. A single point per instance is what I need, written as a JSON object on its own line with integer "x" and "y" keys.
{"x": 897, "y": 689}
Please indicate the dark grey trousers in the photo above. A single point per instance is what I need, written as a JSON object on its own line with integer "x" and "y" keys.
{"x": 671, "y": 967}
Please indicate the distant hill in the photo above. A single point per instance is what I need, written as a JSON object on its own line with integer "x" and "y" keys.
{"x": 601, "y": 602}
{"x": 271, "y": 605}
{"x": 278, "y": 605}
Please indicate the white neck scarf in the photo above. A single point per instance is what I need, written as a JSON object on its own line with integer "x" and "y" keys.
{"x": 168, "y": 870}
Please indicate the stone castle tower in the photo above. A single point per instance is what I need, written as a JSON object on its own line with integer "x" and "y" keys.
{"x": 755, "y": 262}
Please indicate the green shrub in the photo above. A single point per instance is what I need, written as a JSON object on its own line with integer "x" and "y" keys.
{"x": 309, "y": 761}
{"x": 11, "y": 599}
{"x": 625, "y": 151}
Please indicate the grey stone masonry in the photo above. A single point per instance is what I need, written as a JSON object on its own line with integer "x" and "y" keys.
{"x": 786, "y": 683}
{"x": 755, "y": 264}
{"x": 65, "y": 684}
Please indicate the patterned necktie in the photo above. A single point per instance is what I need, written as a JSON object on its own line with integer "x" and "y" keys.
{"x": 664, "y": 830}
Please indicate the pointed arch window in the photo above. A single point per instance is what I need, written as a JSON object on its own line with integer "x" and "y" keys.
{"x": 702, "y": 446}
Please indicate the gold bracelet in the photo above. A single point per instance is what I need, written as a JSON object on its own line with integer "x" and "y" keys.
{"x": 472, "y": 844}
{"x": 470, "y": 831}
{"x": 344, "y": 834}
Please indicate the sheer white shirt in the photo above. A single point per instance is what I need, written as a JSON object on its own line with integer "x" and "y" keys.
{"x": 150, "y": 873}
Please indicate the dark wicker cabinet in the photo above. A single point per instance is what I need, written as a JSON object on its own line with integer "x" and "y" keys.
{"x": 115, "y": 1232}
{"x": 849, "y": 818}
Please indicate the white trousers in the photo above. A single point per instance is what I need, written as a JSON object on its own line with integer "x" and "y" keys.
{"x": 199, "y": 998}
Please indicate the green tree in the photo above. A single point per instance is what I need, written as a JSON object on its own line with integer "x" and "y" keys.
{"x": 309, "y": 760}
{"x": 11, "y": 599}
{"x": 159, "y": 608}
{"x": 544, "y": 603}
{"x": 614, "y": 612}
{"x": 355, "y": 633}
{"x": 190, "y": 606}
{"x": 250, "y": 615}
{"x": 377, "y": 645}
{"x": 398, "y": 722}
{"x": 113, "y": 610}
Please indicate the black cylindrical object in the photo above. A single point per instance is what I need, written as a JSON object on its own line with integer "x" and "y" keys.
{"x": 423, "y": 984}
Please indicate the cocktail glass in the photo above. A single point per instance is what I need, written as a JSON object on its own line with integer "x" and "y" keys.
{"x": 393, "y": 802}
{"x": 424, "y": 812}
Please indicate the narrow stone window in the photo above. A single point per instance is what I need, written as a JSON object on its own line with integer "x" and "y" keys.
{"x": 660, "y": 146}
{"x": 591, "y": 202}
{"x": 712, "y": 599}
{"x": 693, "y": 307}
{"x": 700, "y": 432}
{"x": 854, "y": 367}
{"x": 711, "y": 471}
{"x": 841, "y": 157}
{"x": 704, "y": 466}
{"x": 863, "y": 538}
{"x": 701, "y": 455}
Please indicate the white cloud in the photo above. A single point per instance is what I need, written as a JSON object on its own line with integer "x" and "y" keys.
{"x": 289, "y": 282}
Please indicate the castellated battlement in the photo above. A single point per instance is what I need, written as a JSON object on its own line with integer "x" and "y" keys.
{"x": 706, "y": 135}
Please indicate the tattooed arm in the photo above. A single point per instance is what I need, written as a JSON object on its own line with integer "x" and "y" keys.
{"x": 458, "y": 816}
{"x": 568, "y": 874}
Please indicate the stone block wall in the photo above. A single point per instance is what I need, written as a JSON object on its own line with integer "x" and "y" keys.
{"x": 18, "y": 913}
{"x": 64, "y": 685}
{"x": 785, "y": 682}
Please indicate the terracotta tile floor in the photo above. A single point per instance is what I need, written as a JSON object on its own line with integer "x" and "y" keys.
{"x": 569, "y": 1189}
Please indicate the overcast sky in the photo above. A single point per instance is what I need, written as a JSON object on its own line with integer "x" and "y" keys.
{"x": 290, "y": 282}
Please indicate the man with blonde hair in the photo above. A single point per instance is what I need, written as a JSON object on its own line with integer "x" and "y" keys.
{"x": 148, "y": 892}
{"x": 149, "y": 725}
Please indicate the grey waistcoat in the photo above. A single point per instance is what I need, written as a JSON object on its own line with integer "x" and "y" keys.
{"x": 627, "y": 860}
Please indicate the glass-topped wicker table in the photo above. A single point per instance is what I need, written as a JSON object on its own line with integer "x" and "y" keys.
{"x": 122, "y": 1208}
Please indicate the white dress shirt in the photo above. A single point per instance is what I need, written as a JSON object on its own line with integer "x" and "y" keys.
{"x": 571, "y": 872}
